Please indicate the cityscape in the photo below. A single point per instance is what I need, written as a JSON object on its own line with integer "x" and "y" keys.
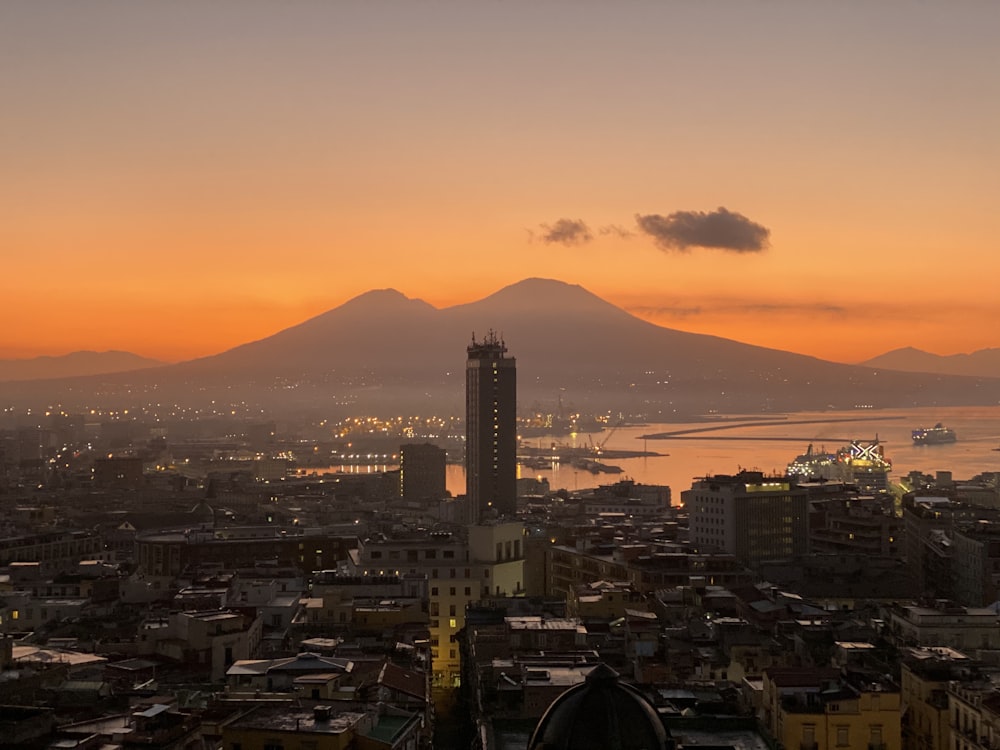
{"x": 211, "y": 578}
{"x": 499, "y": 376}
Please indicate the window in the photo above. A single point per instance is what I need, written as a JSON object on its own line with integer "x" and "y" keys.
{"x": 876, "y": 735}
{"x": 468, "y": 590}
{"x": 451, "y": 591}
{"x": 434, "y": 590}
{"x": 843, "y": 738}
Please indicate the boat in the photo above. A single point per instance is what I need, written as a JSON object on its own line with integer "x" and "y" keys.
{"x": 595, "y": 467}
{"x": 936, "y": 435}
{"x": 862, "y": 463}
{"x": 536, "y": 462}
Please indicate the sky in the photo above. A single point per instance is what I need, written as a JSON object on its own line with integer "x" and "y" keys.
{"x": 180, "y": 177}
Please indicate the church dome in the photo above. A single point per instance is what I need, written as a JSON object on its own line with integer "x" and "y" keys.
{"x": 600, "y": 714}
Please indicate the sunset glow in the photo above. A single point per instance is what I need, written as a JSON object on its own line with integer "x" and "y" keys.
{"x": 183, "y": 178}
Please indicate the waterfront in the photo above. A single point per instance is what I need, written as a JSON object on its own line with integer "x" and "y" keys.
{"x": 771, "y": 445}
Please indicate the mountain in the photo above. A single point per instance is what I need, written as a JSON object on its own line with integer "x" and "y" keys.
{"x": 385, "y": 353}
{"x": 983, "y": 363}
{"x": 73, "y": 364}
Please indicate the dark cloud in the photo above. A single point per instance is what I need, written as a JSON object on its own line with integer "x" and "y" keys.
{"x": 721, "y": 229}
{"x": 566, "y": 232}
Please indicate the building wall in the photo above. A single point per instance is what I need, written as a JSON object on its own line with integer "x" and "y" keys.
{"x": 422, "y": 473}
{"x": 925, "y": 723}
{"x": 869, "y": 721}
{"x": 749, "y": 517}
{"x": 491, "y": 561}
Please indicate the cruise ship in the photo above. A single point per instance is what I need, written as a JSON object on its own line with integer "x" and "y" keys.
{"x": 861, "y": 463}
{"x": 935, "y": 435}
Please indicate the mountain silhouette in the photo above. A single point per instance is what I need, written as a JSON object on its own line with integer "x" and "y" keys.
{"x": 73, "y": 364}
{"x": 982, "y": 363}
{"x": 383, "y": 352}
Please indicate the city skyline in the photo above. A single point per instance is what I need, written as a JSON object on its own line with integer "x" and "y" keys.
{"x": 183, "y": 179}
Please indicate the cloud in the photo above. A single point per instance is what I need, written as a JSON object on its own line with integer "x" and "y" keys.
{"x": 615, "y": 230}
{"x": 721, "y": 229}
{"x": 566, "y": 232}
{"x": 738, "y": 308}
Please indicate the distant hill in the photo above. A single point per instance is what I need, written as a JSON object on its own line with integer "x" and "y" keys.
{"x": 982, "y": 363}
{"x": 385, "y": 353}
{"x": 72, "y": 365}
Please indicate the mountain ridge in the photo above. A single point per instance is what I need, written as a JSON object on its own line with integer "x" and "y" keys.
{"x": 78, "y": 363}
{"x": 980, "y": 363}
{"x": 383, "y": 351}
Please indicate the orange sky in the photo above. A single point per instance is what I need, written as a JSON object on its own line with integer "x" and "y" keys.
{"x": 182, "y": 178}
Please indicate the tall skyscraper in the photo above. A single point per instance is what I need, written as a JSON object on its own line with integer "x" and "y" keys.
{"x": 490, "y": 429}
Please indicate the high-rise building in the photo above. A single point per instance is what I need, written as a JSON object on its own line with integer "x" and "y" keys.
{"x": 749, "y": 516}
{"x": 490, "y": 429}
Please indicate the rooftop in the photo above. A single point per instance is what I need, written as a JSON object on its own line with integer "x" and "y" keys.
{"x": 290, "y": 719}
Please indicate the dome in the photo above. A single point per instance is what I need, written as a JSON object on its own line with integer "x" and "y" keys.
{"x": 600, "y": 714}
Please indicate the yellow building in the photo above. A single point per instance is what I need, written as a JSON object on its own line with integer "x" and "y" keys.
{"x": 604, "y": 600}
{"x": 926, "y": 673}
{"x": 488, "y": 560}
{"x": 823, "y": 709}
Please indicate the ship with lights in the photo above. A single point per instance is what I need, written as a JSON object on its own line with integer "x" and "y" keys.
{"x": 862, "y": 464}
{"x": 936, "y": 435}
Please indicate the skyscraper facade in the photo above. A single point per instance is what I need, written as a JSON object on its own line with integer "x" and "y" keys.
{"x": 490, "y": 429}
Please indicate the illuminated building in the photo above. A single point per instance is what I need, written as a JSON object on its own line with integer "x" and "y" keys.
{"x": 460, "y": 569}
{"x": 749, "y": 516}
{"x": 490, "y": 429}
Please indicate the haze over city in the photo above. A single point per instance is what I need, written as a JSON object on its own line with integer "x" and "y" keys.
{"x": 181, "y": 179}
{"x": 499, "y": 375}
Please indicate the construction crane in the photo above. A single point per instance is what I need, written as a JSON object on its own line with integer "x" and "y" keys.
{"x": 599, "y": 446}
